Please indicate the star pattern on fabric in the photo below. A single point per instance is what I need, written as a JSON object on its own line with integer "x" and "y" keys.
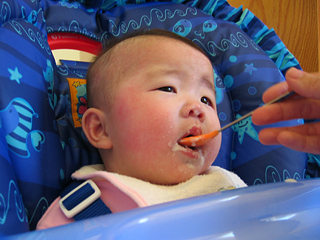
{"x": 15, "y": 75}
{"x": 64, "y": 101}
{"x": 245, "y": 126}
{"x": 250, "y": 68}
{"x": 76, "y": 84}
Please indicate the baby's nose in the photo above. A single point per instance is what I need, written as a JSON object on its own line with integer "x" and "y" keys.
{"x": 195, "y": 110}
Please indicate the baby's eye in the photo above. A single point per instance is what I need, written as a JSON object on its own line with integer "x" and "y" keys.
{"x": 206, "y": 101}
{"x": 168, "y": 89}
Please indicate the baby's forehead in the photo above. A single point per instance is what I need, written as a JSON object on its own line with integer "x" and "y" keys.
{"x": 125, "y": 47}
{"x": 132, "y": 49}
{"x": 133, "y": 53}
{"x": 138, "y": 46}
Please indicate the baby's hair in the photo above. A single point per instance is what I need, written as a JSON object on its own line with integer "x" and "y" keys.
{"x": 109, "y": 44}
{"x": 101, "y": 73}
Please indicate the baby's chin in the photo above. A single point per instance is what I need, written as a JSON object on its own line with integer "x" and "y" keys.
{"x": 179, "y": 175}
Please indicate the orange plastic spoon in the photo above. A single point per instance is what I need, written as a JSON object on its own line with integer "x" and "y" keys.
{"x": 197, "y": 141}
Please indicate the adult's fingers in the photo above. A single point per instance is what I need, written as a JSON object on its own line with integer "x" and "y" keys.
{"x": 305, "y": 138}
{"x": 286, "y": 110}
{"x": 304, "y": 84}
{"x": 275, "y": 91}
{"x": 301, "y": 143}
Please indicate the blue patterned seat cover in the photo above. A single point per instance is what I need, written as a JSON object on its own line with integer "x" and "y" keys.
{"x": 41, "y": 104}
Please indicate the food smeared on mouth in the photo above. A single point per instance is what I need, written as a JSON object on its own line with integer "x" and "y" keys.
{"x": 192, "y": 132}
{"x": 191, "y": 147}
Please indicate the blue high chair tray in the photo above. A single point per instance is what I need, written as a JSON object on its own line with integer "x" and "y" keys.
{"x": 286, "y": 210}
{"x": 41, "y": 105}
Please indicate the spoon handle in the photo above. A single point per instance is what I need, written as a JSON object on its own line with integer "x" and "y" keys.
{"x": 277, "y": 99}
{"x": 200, "y": 140}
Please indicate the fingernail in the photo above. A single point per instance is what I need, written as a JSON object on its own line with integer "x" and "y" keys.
{"x": 294, "y": 73}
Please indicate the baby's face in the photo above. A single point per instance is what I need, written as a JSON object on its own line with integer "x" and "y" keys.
{"x": 166, "y": 94}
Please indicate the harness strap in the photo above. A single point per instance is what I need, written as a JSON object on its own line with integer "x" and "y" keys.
{"x": 81, "y": 200}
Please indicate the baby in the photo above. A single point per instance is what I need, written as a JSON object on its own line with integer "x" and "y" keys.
{"x": 146, "y": 92}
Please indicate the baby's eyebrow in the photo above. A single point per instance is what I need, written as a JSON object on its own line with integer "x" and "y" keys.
{"x": 209, "y": 84}
{"x": 162, "y": 71}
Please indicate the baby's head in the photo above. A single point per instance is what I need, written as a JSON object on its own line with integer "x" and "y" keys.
{"x": 145, "y": 93}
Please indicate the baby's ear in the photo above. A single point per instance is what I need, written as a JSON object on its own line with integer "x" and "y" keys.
{"x": 94, "y": 127}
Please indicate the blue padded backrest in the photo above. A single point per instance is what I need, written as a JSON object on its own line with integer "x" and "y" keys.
{"x": 28, "y": 96}
{"x": 41, "y": 104}
{"x": 12, "y": 212}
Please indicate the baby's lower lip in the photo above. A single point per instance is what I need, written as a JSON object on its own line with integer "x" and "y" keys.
{"x": 190, "y": 152}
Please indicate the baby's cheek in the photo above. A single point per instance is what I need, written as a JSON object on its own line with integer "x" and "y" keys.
{"x": 141, "y": 134}
{"x": 213, "y": 149}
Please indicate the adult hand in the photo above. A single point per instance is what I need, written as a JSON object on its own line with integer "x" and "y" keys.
{"x": 305, "y": 104}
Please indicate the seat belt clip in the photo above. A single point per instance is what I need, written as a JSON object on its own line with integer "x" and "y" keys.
{"x": 79, "y": 198}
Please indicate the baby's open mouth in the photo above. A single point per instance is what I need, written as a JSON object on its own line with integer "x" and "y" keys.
{"x": 192, "y": 132}
{"x": 192, "y": 148}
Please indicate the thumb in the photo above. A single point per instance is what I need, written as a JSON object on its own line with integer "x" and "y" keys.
{"x": 304, "y": 84}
